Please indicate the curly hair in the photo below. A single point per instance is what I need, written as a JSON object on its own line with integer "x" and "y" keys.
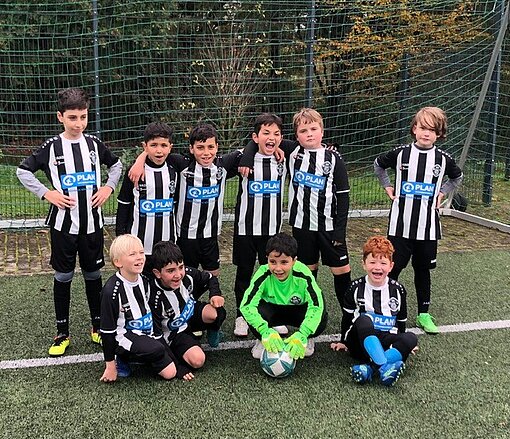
{"x": 378, "y": 246}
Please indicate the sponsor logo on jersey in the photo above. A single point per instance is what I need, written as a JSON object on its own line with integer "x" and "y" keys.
{"x": 382, "y": 323}
{"x": 310, "y": 180}
{"x": 78, "y": 179}
{"x": 186, "y": 314}
{"x": 143, "y": 324}
{"x": 157, "y": 205}
{"x": 203, "y": 193}
{"x": 417, "y": 188}
{"x": 264, "y": 187}
{"x": 295, "y": 300}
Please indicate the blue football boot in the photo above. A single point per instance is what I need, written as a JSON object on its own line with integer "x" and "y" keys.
{"x": 362, "y": 373}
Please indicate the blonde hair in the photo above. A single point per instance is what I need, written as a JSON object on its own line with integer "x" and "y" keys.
{"x": 378, "y": 246}
{"x": 307, "y": 115}
{"x": 433, "y": 118}
{"x": 122, "y": 245}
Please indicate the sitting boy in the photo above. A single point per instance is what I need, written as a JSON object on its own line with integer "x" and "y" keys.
{"x": 177, "y": 313}
{"x": 126, "y": 319}
{"x": 374, "y": 318}
{"x": 284, "y": 292}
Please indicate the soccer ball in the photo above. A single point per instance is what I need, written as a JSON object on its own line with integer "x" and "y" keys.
{"x": 277, "y": 365}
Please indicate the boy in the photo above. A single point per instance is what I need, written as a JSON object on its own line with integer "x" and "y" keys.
{"x": 147, "y": 210}
{"x": 414, "y": 226}
{"x": 374, "y": 318}
{"x": 175, "y": 306}
{"x": 201, "y": 191}
{"x": 126, "y": 319}
{"x": 284, "y": 292}
{"x": 72, "y": 163}
{"x": 318, "y": 198}
{"x": 258, "y": 212}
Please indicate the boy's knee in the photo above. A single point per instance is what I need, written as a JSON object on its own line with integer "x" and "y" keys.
{"x": 91, "y": 275}
{"x": 63, "y": 277}
{"x": 195, "y": 357}
{"x": 169, "y": 372}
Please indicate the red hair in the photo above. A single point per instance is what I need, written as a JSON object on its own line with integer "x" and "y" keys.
{"x": 378, "y": 246}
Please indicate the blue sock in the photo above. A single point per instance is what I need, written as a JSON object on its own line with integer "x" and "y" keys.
{"x": 374, "y": 349}
{"x": 393, "y": 355}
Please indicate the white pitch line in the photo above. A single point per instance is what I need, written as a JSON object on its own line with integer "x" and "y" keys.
{"x": 244, "y": 344}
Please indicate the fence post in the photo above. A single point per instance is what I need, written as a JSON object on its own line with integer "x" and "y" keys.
{"x": 310, "y": 36}
{"x": 95, "y": 32}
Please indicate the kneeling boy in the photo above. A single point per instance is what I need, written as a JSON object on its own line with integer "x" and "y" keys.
{"x": 374, "y": 318}
{"x": 177, "y": 313}
{"x": 126, "y": 319}
{"x": 284, "y": 292}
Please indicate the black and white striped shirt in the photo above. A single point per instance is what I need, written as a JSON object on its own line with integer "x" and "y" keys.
{"x": 318, "y": 177}
{"x": 73, "y": 167}
{"x": 385, "y": 305}
{"x": 147, "y": 211}
{"x": 125, "y": 308}
{"x": 419, "y": 175}
{"x": 260, "y": 198}
{"x": 172, "y": 309}
{"x": 201, "y": 192}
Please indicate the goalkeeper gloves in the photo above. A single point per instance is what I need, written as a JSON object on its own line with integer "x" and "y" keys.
{"x": 295, "y": 345}
{"x": 272, "y": 341}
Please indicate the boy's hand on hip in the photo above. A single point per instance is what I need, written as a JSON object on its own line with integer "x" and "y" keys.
{"x": 100, "y": 197}
{"x": 59, "y": 199}
{"x": 391, "y": 192}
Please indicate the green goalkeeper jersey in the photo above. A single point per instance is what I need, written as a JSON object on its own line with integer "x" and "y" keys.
{"x": 300, "y": 288}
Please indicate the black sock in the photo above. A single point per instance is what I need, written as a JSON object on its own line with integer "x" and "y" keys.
{"x": 93, "y": 291}
{"x": 62, "y": 300}
{"x": 342, "y": 283}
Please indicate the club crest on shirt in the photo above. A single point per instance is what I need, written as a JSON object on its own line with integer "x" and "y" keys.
{"x": 436, "y": 170}
{"x": 171, "y": 187}
{"x": 280, "y": 168}
{"x": 404, "y": 166}
{"x": 393, "y": 304}
{"x": 326, "y": 167}
{"x": 93, "y": 157}
{"x": 220, "y": 172}
{"x": 295, "y": 300}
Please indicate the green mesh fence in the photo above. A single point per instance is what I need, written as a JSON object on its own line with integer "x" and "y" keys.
{"x": 367, "y": 66}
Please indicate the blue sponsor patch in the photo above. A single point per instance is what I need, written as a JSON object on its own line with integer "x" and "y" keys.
{"x": 413, "y": 188}
{"x": 203, "y": 193}
{"x": 78, "y": 179}
{"x": 310, "y": 180}
{"x": 157, "y": 205}
{"x": 143, "y": 324}
{"x": 264, "y": 187}
{"x": 382, "y": 323}
{"x": 186, "y": 314}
